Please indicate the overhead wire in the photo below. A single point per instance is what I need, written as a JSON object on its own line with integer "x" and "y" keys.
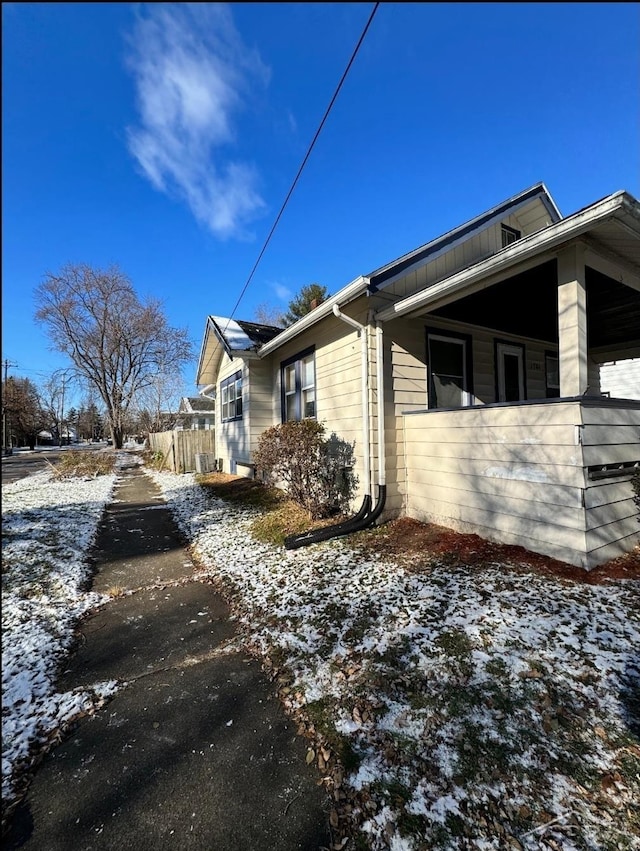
{"x": 304, "y": 162}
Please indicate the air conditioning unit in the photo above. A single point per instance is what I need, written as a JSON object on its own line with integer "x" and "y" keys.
{"x": 205, "y": 462}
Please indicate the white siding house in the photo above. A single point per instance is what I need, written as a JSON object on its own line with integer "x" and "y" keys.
{"x": 468, "y": 375}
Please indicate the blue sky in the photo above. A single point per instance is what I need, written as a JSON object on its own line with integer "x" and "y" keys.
{"x": 163, "y": 138}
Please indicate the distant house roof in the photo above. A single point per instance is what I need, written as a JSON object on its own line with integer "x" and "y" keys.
{"x": 196, "y": 405}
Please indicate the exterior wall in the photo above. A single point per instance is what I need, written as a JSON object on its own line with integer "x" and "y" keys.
{"x": 518, "y": 474}
{"x": 260, "y": 402}
{"x": 610, "y": 436}
{"x": 232, "y": 438}
{"x": 338, "y": 358}
{"x": 406, "y": 383}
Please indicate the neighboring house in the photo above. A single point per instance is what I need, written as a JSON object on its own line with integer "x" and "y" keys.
{"x": 196, "y": 413}
{"x": 474, "y": 362}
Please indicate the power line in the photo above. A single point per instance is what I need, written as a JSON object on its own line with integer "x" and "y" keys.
{"x": 304, "y": 161}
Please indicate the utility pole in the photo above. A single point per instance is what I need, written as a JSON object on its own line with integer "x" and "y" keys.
{"x": 5, "y": 423}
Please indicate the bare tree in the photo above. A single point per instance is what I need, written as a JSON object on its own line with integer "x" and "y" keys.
{"x": 116, "y": 342}
{"x": 266, "y": 314}
{"x": 157, "y": 405}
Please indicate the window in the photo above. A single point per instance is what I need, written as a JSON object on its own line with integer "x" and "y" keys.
{"x": 449, "y": 370}
{"x": 552, "y": 374}
{"x": 298, "y": 381}
{"x": 509, "y": 235}
{"x": 510, "y": 372}
{"x": 231, "y": 397}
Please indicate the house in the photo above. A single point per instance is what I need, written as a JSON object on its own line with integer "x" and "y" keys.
{"x": 467, "y": 373}
{"x": 196, "y": 413}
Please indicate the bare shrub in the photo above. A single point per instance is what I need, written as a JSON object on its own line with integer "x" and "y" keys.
{"x": 315, "y": 471}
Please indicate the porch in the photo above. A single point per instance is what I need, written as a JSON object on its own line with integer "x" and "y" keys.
{"x": 552, "y": 475}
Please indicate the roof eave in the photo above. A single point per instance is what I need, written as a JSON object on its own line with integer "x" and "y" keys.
{"x": 387, "y": 274}
{"x": 357, "y": 287}
{"x": 523, "y": 249}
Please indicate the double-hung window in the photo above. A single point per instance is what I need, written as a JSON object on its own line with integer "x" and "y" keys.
{"x": 231, "y": 397}
{"x": 298, "y": 381}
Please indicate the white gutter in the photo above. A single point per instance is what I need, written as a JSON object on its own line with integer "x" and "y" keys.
{"x": 366, "y": 451}
{"x": 523, "y": 249}
{"x": 380, "y": 387}
{"x": 206, "y": 390}
{"x": 346, "y": 294}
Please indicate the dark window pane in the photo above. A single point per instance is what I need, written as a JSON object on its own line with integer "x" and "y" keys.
{"x": 511, "y": 378}
{"x": 447, "y": 358}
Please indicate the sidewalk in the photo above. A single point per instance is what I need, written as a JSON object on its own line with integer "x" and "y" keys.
{"x": 194, "y": 751}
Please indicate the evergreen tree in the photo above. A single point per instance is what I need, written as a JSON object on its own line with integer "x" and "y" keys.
{"x": 307, "y": 299}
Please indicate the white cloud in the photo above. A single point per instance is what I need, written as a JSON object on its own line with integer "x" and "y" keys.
{"x": 283, "y": 293}
{"x": 192, "y": 71}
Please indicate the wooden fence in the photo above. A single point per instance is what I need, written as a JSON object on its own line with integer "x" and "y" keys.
{"x": 179, "y": 448}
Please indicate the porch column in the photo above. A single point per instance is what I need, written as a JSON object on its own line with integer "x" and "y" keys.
{"x": 572, "y": 321}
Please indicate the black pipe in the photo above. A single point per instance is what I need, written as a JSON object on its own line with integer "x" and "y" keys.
{"x": 292, "y": 542}
{"x": 364, "y": 518}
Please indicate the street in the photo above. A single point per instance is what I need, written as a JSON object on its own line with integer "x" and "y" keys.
{"x": 23, "y": 464}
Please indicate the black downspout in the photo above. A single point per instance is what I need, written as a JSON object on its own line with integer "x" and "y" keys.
{"x": 362, "y": 520}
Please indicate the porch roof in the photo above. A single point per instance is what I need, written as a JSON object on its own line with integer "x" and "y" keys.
{"x": 610, "y": 229}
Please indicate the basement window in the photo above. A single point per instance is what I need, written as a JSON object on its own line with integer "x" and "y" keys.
{"x": 509, "y": 235}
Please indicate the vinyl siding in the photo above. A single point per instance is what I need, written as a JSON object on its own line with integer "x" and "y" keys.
{"x": 518, "y": 474}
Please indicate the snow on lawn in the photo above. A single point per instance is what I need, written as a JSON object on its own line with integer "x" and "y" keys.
{"x": 471, "y": 709}
{"x": 47, "y": 529}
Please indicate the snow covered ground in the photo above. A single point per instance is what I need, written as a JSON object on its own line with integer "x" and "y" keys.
{"x": 470, "y": 709}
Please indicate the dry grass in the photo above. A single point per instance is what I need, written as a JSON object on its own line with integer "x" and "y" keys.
{"x": 280, "y": 516}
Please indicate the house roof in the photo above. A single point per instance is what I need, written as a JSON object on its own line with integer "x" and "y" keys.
{"x": 383, "y": 276}
{"x": 612, "y": 224}
{"x": 196, "y": 405}
{"x": 447, "y": 241}
{"x": 233, "y": 337}
{"x": 240, "y": 336}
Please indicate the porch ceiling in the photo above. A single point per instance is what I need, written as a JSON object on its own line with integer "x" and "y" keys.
{"x": 527, "y": 305}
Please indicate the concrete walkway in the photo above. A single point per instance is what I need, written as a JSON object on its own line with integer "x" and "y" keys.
{"x": 194, "y": 751}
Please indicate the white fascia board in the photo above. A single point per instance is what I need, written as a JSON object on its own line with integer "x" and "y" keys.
{"x": 549, "y": 203}
{"x": 523, "y": 249}
{"x": 343, "y": 296}
{"x": 203, "y": 348}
